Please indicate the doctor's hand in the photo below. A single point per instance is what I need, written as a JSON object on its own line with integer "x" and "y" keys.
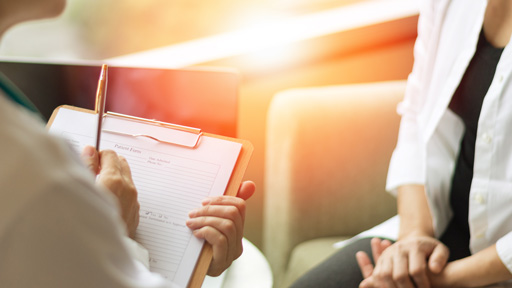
{"x": 220, "y": 222}
{"x": 114, "y": 174}
{"x": 407, "y": 263}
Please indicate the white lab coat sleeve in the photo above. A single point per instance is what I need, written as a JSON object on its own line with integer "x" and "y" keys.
{"x": 71, "y": 236}
{"x": 138, "y": 251}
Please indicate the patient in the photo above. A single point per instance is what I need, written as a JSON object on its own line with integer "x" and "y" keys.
{"x": 451, "y": 166}
{"x": 62, "y": 228}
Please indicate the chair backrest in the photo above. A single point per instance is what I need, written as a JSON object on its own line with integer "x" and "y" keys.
{"x": 201, "y": 98}
{"x": 327, "y": 155}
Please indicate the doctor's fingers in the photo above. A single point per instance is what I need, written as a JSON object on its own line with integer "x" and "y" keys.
{"x": 115, "y": 173}
{"x": 222, "y": 228}
{"x": 224, "y": 207}
{"x": 91, "y": 158}
{"x": 226, "y": 248}
{"x": 228, "y": 202}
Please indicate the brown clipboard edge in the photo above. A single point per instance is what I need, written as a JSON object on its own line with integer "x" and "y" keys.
{"x": 56, "y": 111}
{"x": 203, "y": 263}
{"x": 205, "y": 257}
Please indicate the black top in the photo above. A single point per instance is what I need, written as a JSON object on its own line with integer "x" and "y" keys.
{"x": 467, "y": 103}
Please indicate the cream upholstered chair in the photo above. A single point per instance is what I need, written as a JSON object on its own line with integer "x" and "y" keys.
{"x": 327, "y": 155}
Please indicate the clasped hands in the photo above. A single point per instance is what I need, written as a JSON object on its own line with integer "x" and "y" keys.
{"x": 415, "y": 261}
{"x": 220, "y": 220}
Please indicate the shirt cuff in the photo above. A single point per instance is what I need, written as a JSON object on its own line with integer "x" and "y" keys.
{"x": 138, "y": 251}
{"x": 403, "y": 171}
{"x": 504, "y": 250}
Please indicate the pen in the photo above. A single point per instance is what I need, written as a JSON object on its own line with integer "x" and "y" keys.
{"x": 101, "y": 95}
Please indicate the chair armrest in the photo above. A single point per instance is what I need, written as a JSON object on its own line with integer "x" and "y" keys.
{"x": 327, "y": 155}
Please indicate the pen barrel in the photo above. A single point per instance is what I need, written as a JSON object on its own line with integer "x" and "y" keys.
{"x": 100, "y": 97}
{"x": 99, "y": 108}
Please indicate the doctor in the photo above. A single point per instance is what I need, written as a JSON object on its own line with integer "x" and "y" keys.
{"x": 60, "y": 228}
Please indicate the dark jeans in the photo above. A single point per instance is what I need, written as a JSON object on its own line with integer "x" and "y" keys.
{"x": 339, "y": 270}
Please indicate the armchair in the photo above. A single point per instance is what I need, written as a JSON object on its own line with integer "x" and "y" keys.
{"x": 327, "y": 155}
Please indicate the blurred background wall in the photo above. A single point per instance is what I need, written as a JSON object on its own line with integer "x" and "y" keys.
{"x": 99, "y": 29}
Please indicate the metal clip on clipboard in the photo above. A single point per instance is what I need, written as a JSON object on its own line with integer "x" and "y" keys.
{"x": 192, "y": 142}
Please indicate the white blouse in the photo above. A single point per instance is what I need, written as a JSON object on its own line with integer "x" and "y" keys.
{"x": 430, "y": 134}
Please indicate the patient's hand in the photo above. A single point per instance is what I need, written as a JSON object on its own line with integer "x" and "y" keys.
{"x": 409, "y": 262}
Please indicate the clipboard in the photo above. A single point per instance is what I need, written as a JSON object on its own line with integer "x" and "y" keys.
{"x": 205, "y": 257}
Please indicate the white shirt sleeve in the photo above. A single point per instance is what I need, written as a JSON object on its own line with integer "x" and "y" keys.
{"x": 504, "y": 250}
{"x": 407, "y": 165}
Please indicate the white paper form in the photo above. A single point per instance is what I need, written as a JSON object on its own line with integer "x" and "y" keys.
{"x": 171, "y": 181}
